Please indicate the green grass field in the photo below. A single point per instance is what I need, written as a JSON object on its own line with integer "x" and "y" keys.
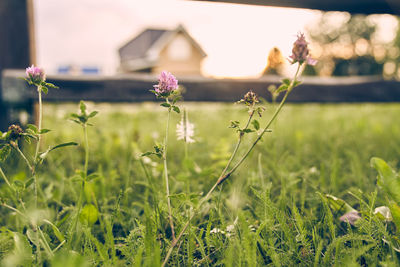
{"x": 270, "y": 212}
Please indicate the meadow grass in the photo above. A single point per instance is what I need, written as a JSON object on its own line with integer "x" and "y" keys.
{"x": 270, "y": 212}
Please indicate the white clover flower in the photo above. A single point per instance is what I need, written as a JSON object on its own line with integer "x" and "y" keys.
{"x": 385, "y": 212}
{"x": 230, "y": 228}
{"x": 185, "y": 129}
{"x": 217, "y": 230}
{"x": 313, "y": 170}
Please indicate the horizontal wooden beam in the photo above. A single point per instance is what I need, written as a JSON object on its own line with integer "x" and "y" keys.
{"x": 135, "y": 88}
{"x": 353, "y": 6}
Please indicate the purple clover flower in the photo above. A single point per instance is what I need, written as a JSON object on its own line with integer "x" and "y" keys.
{"x": 300, "y": 52}
{"x": 167, "y": 83}
{"x": 350, "y": 217}
{"x": 35, "y": 75}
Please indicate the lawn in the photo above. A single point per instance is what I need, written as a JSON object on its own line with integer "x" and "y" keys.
{"x": 272, "y": 211}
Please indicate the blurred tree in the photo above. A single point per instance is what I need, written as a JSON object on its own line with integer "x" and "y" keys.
{"x": 275, "y": 62}
{"x": 392, "y": 58}
{"x": 348, "y": 45}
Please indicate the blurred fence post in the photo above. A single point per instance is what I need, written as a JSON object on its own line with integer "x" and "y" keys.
{"x": 16, "y": 44}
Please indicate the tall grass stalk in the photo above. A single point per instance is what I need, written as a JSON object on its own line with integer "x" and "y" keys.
{"x": 171, "y": 223}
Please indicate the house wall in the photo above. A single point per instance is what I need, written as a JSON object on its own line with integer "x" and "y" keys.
{"x": 188, "y": 66}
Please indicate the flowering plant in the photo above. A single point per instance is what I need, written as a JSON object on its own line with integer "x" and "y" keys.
{"x": 300, "y": 51}
{"x": 301, "y": 56}
{"x": 36, "y": 76}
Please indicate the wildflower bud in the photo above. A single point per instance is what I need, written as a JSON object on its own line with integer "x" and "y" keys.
{"x": 300, "y": 52}
{"x": 250, "y": 98}
{"x": 167, "y": 83}
{"x": 35, "y": 75}
{"x": 15, "y": 132}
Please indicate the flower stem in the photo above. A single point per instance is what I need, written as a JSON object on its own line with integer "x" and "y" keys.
{"x": 5, "y": 177}
{"x": 39, "y": 121}
{"x": 37, "y": 144}
{"x": 241, "y": 134}
{"x": 32, "y": 169}
{"x": 223, "y": 177}
{"x": 86, "y": 150}
{"x": 14, "y": 209}
{"x": 15, "y": 146}
{"x": 81, "y": 193}
{"x": 171, "y": 223}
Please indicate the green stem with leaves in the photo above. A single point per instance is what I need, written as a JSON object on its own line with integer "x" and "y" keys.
{"x": 86, "y": 139}
{"x": 35, "y": 183}
{"x": 223, "y": 177}
{"x": 241, "y": 134}
{"x": 39, "y": 121}
{"x": 81, "y": 193}
{"x": 171, "y": 223}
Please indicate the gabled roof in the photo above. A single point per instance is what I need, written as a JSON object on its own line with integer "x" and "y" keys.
{"x": 143, "y": 50}
{"x": 138, "y": 46}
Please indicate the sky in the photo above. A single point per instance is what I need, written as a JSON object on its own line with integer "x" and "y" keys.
{"x": 236, "y": 38}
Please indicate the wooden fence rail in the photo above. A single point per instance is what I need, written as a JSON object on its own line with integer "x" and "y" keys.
{"x": 16, "y": 96}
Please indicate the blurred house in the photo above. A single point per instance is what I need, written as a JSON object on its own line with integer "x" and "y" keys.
{"x": 155, "y": 50}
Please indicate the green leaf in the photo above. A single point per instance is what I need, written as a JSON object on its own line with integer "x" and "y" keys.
{"x": 77, "y": 178}
{"x": 4, "y": 152}
{"x": 176, "y": 99}
{"x": 45, "y": 90}
{"x": 395, "y": 211}
{"x": 92, "y": 176}
{"x": 296, "y": 83}
{"x": 234, "y": 124}
{"x": 247, "y": 130}
{"x": 282, "y": 88}
{"x": 27, "y": 139}
{"x": 19, "y": 184}
{"x": 32, "y": 127}
{"x": 44, "y": 154}
{"x": 64, "y": 145}
{"x": 286, "y": 81}
{"x": 178, "y": 196}
{"x": 50, "y": 85}
{"x": 92, "y": 114}
{"x": 176, "y": 109}
{"x": 89, "y": 215}
{"x": 256, "y": 124}
{"x": 56, "y": 231}
{"x": 338, "y": 205}
{"x": 387, "y": 179}
{"x": 29, "y": 182}
{"x": 43, "y": 131}
{"x": 260, "y": 110}
{"x": 167, "y": 105}
{"x": 82, "y": 107}
{"x": 74, "y": 115}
